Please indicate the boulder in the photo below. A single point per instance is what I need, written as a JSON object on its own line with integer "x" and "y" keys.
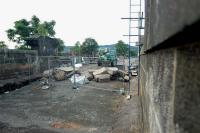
{"x": 47, "y": 73}
{"x": 102, "y": 70}
{"x": 59, "y": 75}
{"x": 112, "y": 70}
{"x": 126, "y": 78}
{"x": 88, "y": 75}
{"x": 102, "y": 77}
{"x": 122, "y": 73}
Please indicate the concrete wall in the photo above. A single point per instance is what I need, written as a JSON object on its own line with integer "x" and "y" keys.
{"x": 170, "y": 64}
{"x": 16, "y": 63}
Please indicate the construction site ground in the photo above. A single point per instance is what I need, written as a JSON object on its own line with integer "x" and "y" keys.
{"x": 94, "y": 107}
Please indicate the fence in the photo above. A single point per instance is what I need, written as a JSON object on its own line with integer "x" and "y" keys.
{"x": 17, "y": 63}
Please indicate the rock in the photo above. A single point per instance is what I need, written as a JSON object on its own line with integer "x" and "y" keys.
{"x": 89, "y": 76}
{"x": 102, "y": 77}
{"x": 44, "y": 81}
{"x": 126, "y": 78}
{"x": 67, "y": 69}
{"x": 103, "y": 70}
{"x": 68, "y": 75}
{"x": 91, "y": 71}
{"x": 112, "y": 70}
{"x": 59, "y": 75}
{"x": 122, "y": 73}
{"x": 133, "y": 73}
{"x": 47, "y": 73}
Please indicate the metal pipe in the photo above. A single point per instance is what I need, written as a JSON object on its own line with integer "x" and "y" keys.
{"x": 129, "y": 60}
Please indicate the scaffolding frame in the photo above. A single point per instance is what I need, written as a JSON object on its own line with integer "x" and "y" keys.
{"x": 139, "y": 27}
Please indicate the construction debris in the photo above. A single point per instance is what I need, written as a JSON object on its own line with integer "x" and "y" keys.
{"x": 134, "y": 73}
{"x": 112, "y": 70}
{"x": 59, "y": 75}
{"x": 102, "y": 77}
{"x": 47, "y": 73}
{"x": 102, "y": 70}
{"x": 45, "y": 87}
{"x": 79, "y": 80}
{"x": 89, "y": 76}
{"x": 103, "y": 74}
{"x": 67, "y": 69}
{"x": 122, "y": 73}
{"x": 126, "y": 78}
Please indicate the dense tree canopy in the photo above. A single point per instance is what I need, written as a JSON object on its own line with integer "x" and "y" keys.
{"x": 24, "y": 28}
{"x": 121, "y": 48}
{"x": 61, "y": 45}
{"x": 89, "y": 47}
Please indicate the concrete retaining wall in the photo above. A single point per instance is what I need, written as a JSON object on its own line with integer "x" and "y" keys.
{"x": 170, "y": 64}
{"x": 15, "y": 63}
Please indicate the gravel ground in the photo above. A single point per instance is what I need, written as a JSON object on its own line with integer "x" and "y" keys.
{"x": 95, "y": 108}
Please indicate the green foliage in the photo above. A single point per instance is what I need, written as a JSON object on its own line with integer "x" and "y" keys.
{"x": 35, "y": 22}
{"x": 22, "y": 47}
{"x": 89, "y": 47}
{"x": 76, "y": 50}
{"x": 61, "y": 45}
{"x": 133, "y": 53}
{"x": 121, "y": 48}
{"x": 24, "y": 28}
{"x": 3, "y": 45}
{"x": 49, "y": 26}
{"x": 41, "y": 30}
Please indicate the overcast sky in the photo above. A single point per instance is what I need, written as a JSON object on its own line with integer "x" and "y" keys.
{"x": 75, "y": 19}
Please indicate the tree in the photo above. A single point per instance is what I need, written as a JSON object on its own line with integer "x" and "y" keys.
{"x": 121, "y": 48}
{"x": 89, "y": 47}
{"x": 35, "y": 22}
{"x": 41, "y": 30}
{"x": 21, "y": 30}
{"x": 24, "y": 28}
{"x": 133, "y": 53}
{"x": 49, "y": 26}
{"x": 76, "y": 49}
{"x": 61, "y": 45}
{"x": 3, "y": 45}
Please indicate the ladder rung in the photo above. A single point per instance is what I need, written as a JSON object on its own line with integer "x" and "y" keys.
{"x": 133, "y": 42}
{"x": 139, "y": 45}
{"x": 137, "y": 27}
{"x": 136, "y": 5}
{"x": 132, "y": 18}
{"x": 134, "y": 12}
{"x": 131, "y": 35}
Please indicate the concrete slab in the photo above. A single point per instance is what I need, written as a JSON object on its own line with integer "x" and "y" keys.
{"x": 59, "y": 109}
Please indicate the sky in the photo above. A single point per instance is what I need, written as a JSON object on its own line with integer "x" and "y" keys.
{"x": 75, "y": 19}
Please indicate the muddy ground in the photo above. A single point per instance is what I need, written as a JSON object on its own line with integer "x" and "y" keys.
{"x": 95, "y": 108}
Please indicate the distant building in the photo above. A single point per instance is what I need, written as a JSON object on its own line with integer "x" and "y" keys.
{"x": 45, "y": 46}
